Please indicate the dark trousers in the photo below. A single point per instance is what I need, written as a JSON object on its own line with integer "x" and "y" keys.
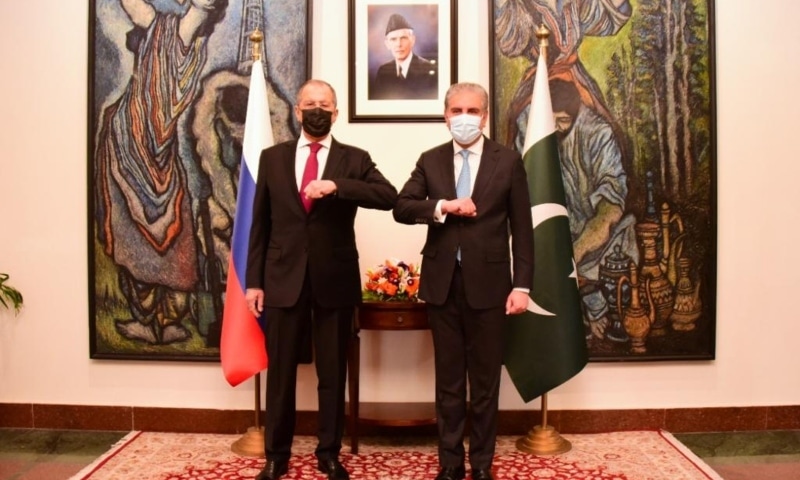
{"x": 287, "y": 333}
{"x": 468, "y": 344}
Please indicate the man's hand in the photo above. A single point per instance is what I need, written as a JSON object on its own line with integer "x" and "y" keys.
{"x": 205, "y": 5}
{"x": 319, "y": 188}
{"x": 599, "y": 326}
{"x": 517, "y": 302}
{"x": 463, "y": 207}
{"x": 255, "y": 300}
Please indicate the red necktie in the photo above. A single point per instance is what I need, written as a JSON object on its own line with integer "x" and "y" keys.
{"x": 309, "y": 174}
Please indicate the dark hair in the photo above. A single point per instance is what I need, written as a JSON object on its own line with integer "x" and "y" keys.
{"x": 565, "y": 97}
{"x": 215, "y": 16}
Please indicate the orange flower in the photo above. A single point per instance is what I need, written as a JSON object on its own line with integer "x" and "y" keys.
{"x": 394, "y": 280}
{"x": 412, "y": 287}
{"x": 389, "y": 288}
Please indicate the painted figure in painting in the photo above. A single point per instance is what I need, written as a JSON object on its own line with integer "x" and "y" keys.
{"x": 144, "y": 210}
{"x": 636, "y": 147}
{"x": 569, "y": 21}
{"x": 596, "y": 188}
{"x": 408, "y": 75}
{"x": 594, "y": 179}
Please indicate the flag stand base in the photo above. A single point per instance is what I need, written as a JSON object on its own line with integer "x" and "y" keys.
{"x": 543, "y": 440}
{"x": 251, "y": 444}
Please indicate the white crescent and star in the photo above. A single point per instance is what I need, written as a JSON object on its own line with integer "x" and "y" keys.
{"x": 541, "y": 213}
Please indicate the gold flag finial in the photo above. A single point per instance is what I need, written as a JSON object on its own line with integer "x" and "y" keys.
{"x": 256, "y": 37}
{"x": 542, "y": 33}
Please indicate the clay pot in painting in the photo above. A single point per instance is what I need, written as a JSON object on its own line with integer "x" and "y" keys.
{"x": 660, "y": 288}
{"x": 636, "y": 319}
{"x": 688, "y": 305}
{"x": 616, "y": 265}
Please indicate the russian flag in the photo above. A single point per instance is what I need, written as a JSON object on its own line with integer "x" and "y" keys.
{"x": 242, "y": 349}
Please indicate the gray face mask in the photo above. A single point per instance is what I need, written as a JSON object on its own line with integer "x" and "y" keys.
{"x": 465, "y": 128}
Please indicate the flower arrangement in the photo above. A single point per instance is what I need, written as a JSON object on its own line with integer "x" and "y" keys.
{"x": 9, "y": 296}
{"x": 392, "y": 281}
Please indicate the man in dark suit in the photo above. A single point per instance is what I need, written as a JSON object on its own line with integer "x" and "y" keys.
{"x": 408, "y": 76}
{"x": 473, "y": 195}
{"x": 302, "y": 270}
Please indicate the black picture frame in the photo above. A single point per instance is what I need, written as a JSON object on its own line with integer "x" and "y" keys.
{"x": 164, "y": 153}
{"x": 648, "y": 73}
{"x": 434, "y": 23}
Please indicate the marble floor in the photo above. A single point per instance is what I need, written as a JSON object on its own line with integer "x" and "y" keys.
{"x": 59, "y": 454}
{"x": 762, "y": 455}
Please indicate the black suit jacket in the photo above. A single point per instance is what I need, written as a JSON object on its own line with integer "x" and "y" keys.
{"x": 285, "y": 242}
{"x": 503, "y": 208}
{"x": 421, "y": 82}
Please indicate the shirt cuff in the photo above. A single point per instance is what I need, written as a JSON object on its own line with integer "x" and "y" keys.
{"x": 438, "y": 216}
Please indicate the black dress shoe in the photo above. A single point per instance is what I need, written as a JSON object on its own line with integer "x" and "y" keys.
{"x": 333, "y": 468}
{"x": 482, "y": 474}
{"x": 451, "y": 473}
{"x": 273, "y": 470}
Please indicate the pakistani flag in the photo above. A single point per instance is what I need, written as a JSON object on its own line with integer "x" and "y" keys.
{"x": 546, "y": 346}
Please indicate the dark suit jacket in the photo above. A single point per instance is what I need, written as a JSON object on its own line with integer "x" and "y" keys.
{"x": 284, "y": 240}
{"x": 421, "y": 81}
{"x": 504, "y": 209}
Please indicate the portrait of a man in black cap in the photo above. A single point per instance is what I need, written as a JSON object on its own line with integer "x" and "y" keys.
{"x": 407, "y": 75}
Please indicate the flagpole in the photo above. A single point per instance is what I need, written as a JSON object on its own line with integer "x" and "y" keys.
{"x": 251, "y": 444}
{"x": 543, "y": 439}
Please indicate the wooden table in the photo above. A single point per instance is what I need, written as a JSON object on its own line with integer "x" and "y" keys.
{"x": 384, "y": 316}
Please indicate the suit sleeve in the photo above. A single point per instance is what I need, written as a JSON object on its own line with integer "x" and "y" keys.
{"x": 260, "y": 229}
{"x": 521, "y": 226}
{"x": 370, "y": 189}
{"x": 413, "y": 205}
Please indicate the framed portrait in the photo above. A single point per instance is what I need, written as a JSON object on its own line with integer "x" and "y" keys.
{"x": 632, "y": 85}
{"x": 167, "y": 97}
{"x": 402, "y": 59}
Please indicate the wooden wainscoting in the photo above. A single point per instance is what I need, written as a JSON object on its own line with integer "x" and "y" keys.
{"x": 511, "y": 422}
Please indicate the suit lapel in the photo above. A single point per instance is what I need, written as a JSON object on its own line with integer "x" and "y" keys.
{"x": 334, "y": 163}
{"x": 287, "y": 166}
{"x": 486, "y": 169}
{"x": 447, "y": 169}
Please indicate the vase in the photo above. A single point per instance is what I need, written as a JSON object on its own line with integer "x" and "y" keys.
{"x": 688, "y": 305}
{"x": 636, "y": 319}
{"x": 616, "y": 265}
{"x": 659, "y": 286}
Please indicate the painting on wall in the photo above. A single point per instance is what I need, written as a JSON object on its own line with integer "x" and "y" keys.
{"x": 168, "y": 88}
{"x": 632, "y": 85}
{"x": 402, "y": 59}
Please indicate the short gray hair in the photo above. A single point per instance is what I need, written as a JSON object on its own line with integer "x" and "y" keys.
{"x": 470, "y": 87}
{"x": 317, "y": 82}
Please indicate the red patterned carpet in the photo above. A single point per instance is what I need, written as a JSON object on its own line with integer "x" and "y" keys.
{"x": 608, "y": 456}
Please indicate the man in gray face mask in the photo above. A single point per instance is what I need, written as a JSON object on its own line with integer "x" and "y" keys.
{"x": 303, "y": 278}
{"x": 473, "y": 195}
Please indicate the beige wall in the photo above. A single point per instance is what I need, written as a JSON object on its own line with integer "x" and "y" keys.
{"x": 44, "y": 352}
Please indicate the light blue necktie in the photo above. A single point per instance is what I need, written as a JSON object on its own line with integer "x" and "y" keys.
{"x": 462, "y": 186}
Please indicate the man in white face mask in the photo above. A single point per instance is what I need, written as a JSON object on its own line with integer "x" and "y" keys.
{"x": 473, "y": 194}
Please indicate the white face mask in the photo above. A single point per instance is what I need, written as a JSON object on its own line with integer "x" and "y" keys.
{"x": 465, "y": 128}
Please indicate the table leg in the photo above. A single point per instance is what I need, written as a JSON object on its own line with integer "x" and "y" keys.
{"x": 353, "y": 367}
